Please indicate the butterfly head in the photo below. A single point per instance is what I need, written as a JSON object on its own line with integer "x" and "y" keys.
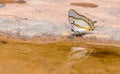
{"x": 93, "y": 27}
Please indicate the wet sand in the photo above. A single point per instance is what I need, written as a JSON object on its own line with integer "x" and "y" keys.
{"x": 85, "y": 5}
{"x": 12, "y": 1}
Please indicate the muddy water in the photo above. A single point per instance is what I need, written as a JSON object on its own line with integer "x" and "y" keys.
{"x": 58, "y": 58}
{"x": 95, "y": 59}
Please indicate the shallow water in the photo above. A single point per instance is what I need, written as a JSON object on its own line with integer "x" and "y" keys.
{"x": 52, "y": 58}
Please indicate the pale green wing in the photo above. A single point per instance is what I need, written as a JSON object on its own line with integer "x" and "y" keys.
{"x": 80, "y": 21}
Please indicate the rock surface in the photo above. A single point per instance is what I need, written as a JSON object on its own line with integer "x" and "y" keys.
{"x": 38, "y": 17}
{"x": 29, "y": 28}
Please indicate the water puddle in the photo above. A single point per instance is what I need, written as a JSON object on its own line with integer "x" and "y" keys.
{"x": 60, "y": 58}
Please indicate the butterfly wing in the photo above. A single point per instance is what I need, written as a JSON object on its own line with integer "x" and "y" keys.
{"x": 79, "y": 22}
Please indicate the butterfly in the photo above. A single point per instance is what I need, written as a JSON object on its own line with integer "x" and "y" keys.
{"x": 80, "y": 24}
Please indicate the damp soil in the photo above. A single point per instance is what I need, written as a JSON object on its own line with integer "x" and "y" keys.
{"x": 91, "y": 5}
{"x": 18, "y": 57}
{"x": 12, "y": 1}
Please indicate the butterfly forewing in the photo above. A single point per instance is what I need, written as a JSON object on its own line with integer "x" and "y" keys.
{"x": 79, "y": 21}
